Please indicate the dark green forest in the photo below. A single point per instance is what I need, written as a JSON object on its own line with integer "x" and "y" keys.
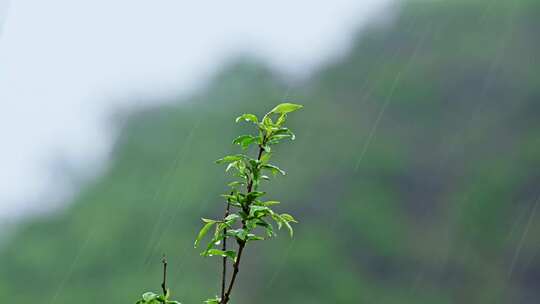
{"x": 414, "y": 176}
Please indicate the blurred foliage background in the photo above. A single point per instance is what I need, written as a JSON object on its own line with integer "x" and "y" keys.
{"x": 414, "y": 176}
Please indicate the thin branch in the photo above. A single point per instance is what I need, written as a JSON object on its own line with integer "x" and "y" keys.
{"x": 164, "y": 283}
{"x": 224, "y": 248}
{"x": 236, "y": 268}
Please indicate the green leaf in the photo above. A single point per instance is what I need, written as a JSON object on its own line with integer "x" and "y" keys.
{"x": 267, "y": 122}
{"x": 231, "y": 165}
{"x": 270, "y": 203}
{"x": 258, "y": 211}
{"x": 230, "y": 198}
{"x": 285, "y": 108}
{"x": 245, "y": 140}
{"x": 248, "y": 117}
{"x": 291, "y": 232}
{"x": 274, "y": 169}
{"x": 284, "y": 219}
{"x": 236, "y": 183}
{"x": 281, "y": 119}
{"x": 281, "y": 134}
{"x": 215, "y": 300}
{"x": 279, "y": 221}
{"x": 265, "y": 158}
{"x": 238, "y": 233}
{"x": 231, "y": 158}
{"x": 231, "y": 219}
{"x": 288, "y": 218}
{"x": 250, "y": 224}
{"x": 253, "y": 237}
{"x": 233, "y": 216}
{"x": 204, "y": 231}
{"x": 229, "y": 253}
{"x": 254, "y": 195}
{"x": 162, "y": 298}
{"x": 149, "y": 296}
{"x": 267, "y": 226}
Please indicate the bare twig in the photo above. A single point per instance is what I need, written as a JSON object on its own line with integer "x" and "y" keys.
{"x": 164, "y": 283}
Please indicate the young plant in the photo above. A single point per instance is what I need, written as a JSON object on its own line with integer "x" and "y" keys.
{"x": 245, "y": 209}
{"x": 154, "y": 298}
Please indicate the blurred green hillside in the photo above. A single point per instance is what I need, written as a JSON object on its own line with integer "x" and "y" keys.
{"x": 414, "y": 176}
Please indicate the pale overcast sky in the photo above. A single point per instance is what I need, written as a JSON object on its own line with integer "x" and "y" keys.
{"x": 65, "y": 63}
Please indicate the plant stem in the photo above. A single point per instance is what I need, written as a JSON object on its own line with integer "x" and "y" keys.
{"x": 236, "y": 268}
{"x": 164, "y": 283}
{"x": 241, "y": 244}
{"x": 224, "y": 248}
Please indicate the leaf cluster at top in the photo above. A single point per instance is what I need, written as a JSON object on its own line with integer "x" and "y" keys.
{"x": 250, "y": 210}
